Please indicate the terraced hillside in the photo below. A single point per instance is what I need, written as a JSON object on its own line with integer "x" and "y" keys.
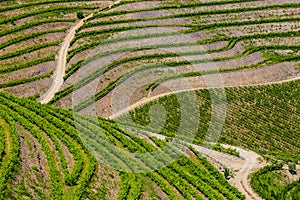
{"x": 44, "y": 157}
{"x": 107, "y": 58}
{"x": 239, "y": 39}
{"x": 31, "y": 35}
{"x": 261, "y": 118}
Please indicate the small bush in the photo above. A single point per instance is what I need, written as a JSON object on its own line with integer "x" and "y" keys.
{"x": 80, "y": 15}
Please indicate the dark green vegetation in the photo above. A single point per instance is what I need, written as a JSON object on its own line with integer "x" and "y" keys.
{"x": 163, "y": 21}
{"x": 43, "y": 149}
{"x": 252, "y": 119}
{"x": 30, "y": 35}
{"x": 271, "y": 183}
{"x": 55, "y": 131}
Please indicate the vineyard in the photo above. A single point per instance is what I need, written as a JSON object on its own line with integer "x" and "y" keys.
{"x": 60, "y": 166}
{"x": 269, "y": 129}
{"x": 174, "y": 41}
{"x": 31, "y": 34}
{"x": 279, "y": 188}
{"x": 205, "y": 73}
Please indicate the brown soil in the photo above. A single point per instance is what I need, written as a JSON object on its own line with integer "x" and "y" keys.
{"x": 68, "y": 156}
{"x": 52, "y": 37}
{"x": 36, "y": 70}
{"x": 107, "y": 178}
{"x": 261, "y": 75}
{"x": 34, "y": 168}
{"x": 137, "y": 6}
{"x": 43, "y": 27}
{"x": 31, "y": 56}
{"x": 273, "y": 41}
{"x": 29, "y": 89}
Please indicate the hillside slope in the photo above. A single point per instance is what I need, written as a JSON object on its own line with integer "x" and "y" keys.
{"x": 43, "y": 156}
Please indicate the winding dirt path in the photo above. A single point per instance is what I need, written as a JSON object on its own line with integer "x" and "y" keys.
{"x": 253, "y": 162}
{"x": 59, "y": 73}
{"x": 152, "y": 98}
{"x": 242, "y": 166}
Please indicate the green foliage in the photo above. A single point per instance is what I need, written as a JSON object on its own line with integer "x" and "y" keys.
{"x": 25, "y": 80}
{"x": 44, "y": 11}
{"x": 252, "y": 109}
{"x": 33, "y": 24}
{"x": 29, "y": 36}
{"x": 260, "y": 125}
{"x": 45, "y": 121}
{"x": 11, "y": 68}
{"x": 271, "y": 183}
{"x": 80, "y": 15}
{"x": 226, "y": 172}
{"x": 28, "y": 50}
{"x": 292, "y": 166}
{"x": 10, "y": 162}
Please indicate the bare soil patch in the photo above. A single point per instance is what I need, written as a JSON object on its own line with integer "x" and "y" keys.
{"x": 40, "y": 28}
{"x": 272, "y": 41}
{"x": 36, "y": 70}
{"x": 29, "y": 89}
{"x": 52, "y": 37}
{"x": 34, "y": 169}
{"x": 137, "y": 6}
{"x": 30, "y": 56}
{"x": 263, "y": 75}
{"x": 105, "y": 183}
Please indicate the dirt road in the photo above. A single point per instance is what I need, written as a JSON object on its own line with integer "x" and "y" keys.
{"x": 241, "y": 166}
{"x": 152, "y": 98}
{"x": 59, "y": 73}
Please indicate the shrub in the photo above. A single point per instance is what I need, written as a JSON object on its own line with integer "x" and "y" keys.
{"x": 80, "y": 15}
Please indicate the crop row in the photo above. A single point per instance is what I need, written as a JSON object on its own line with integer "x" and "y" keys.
{"x": 186, "y": 192}
{"x": 74, "y": 67}
{"x": 76, "y": 149}
{"x": 56, "y": 185}
{"x": 199, "y": 27}
{"x": 260, "y": 182}
{"x": 154, "y": 84}
{"x": 270, "y": 61}
{"x": 110, "y": 129}
{"x": 11, "y": 68}
{"x": 232, "y": 41}
{"x": 252, "y": 114}
{"x": 83, "y": 166}
{"x": 26, "y": 5}
{"x": 33, "y": 24}
{"x": 191, "y": 5}
{"x": 25, "y": 80}
{"x": 195, "y": 27}
{"x": 120, "y": 29}
{"x": 28, "y": 50}
{"x": 202, "y": 178}
{"x": 30, "y": 36}
{"x": 93, "y": 126}
{"x": 10, "y": 162}
{"x": 43, "y": 11}
{"x": 112, "y": 65}
{"x": 124, "y": 77}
